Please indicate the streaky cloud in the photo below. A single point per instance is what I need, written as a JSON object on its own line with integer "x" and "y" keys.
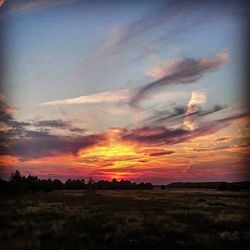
{"x": 59, "y": 124}
{"x": 115, "y": 96}
{"x": 214, "y": 109}
{"x": 26, "y": 6}
{"x": 160, "y": 135}
{"x": 162, "y": 152}
{"x": 178, "y": 113}
{"x": 174, "y": 17}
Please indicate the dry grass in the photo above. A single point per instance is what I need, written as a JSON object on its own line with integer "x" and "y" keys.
{"x": 170, "y": 219}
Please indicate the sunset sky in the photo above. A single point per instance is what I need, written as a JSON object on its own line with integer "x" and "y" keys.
{"x": 139, "y": 90}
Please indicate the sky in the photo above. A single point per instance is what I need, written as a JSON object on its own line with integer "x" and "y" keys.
{"x": 139, "y": 90}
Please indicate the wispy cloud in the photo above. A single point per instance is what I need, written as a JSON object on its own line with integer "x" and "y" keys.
{"x": 178, "y": 113}
{"x": 162, "y": 152}
{"x": 25, "y": 6}
{"x": 185, "y": 71}
{"x": 164, "y": 136}
{"x": 102, "y": 97}
{"x": 173, "y": 18}
{"x": 160, "y": 135}
{"x": 58, "y": 124}
{"x": 147, "y": 35}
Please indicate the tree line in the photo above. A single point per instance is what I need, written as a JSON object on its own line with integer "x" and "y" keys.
{"x": 219, "y": 185}
{"x": 21, "y": 184}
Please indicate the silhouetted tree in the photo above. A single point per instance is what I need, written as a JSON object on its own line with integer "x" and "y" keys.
{"x": 21, "y": 184}
{"x": 18, "y": 183}
{"x": 33, "y": 183}
{"x": 75, "y": 184}
{"x": 57, "y": 185}
{"x": 4, "y": 187}
{"x": 91, "y": 186}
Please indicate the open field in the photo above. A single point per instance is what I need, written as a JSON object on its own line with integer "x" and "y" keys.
{"x": 156, "y": 219}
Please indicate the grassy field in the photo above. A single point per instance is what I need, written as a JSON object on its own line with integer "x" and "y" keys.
{"x": 157, "y": 219}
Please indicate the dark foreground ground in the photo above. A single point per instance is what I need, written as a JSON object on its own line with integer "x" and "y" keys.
{"x": 157, "y": 219}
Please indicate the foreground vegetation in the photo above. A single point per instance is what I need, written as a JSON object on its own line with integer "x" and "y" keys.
{"x": 121, "y": 219}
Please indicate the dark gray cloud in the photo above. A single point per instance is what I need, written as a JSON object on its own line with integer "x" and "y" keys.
{"x": 234, "y": 117}
{"x": 5, "y": 111}
{"x": 17, "y": 140}
{"x": 52, "y": 123}
{"x": 162, "y": 152}
{"x": 214, "y": 109}
{"x": 10, "y": 127}
{"x": 60, "y": 124}
{"x": 165, "y": 115}
{"x": 178, "y": 113}
{"x": 37, "y": 144}
{"x": 160, "y": 135}
{"x": 186, "y": 71}
{"x": 223, "y": 139}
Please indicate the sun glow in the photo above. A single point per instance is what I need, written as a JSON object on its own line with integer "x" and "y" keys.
{"x": 114, "y": 152}
{"x": 110, "y": 151}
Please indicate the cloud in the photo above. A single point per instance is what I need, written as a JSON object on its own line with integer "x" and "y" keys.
{"x": 5, "y": 114}
{"x": 31, "y": 144}
{"x": 16, "y": 140}
{"x": 194, "y": 105}
{"x": 26, "y": 144}
{"x": 11, "y": 125}
{"x": 162, "y": 152}
{"x": 151, "y": 31}
{"x": 38, "y": 144}
{"x": 162, "y": 116}
{"x": 25, "y": 6}
{"x": 223, "y": 139}
{"x": 214, "y": 109}
{"x": 163, "y": 136}
{"x": 185, "y": 71}
{"x": 60, "y": 124}
{"x": 178, "y": 113}
{"x": 129, "y": 36}
{"x": 160, "y": 135}
{"x": 172, "y": 18}
{"x": 156, "y": 135}
{"x": 101, "y": 97}
{"x": 53, "y": 123}
{"x": 235, "y": 116}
